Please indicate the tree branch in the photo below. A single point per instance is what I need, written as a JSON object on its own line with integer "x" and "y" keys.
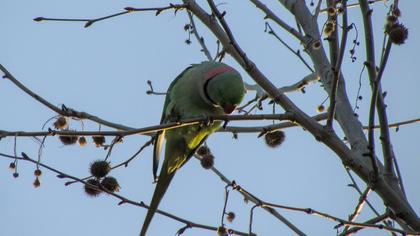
{"x": 336, "y": 219}
{"x": 270, "y": 15}
{"x": 64, "y": 111}
{"x": 337, "y": 66}
{"x": 200, "y": 39}
{"x": 89, "y": 22}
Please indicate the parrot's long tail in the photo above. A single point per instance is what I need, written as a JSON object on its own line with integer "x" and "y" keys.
{"x": 161, "y": 187}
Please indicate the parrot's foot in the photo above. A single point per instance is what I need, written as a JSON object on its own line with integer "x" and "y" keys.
{"x": 207, "y": 121}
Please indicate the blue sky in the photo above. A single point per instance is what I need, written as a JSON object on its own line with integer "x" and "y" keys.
{"x": 103, "y": 70}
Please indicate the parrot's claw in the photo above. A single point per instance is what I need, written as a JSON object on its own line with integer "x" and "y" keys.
{"x": 207, "y": 121}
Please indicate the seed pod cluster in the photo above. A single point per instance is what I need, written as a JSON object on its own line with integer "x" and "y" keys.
{"x": 396, "y": 31}
{"x": 207, "y": 158}
{"x": 99, "y": 170}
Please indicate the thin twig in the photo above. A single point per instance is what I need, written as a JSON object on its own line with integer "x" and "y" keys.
{"x": 200, "y": 39}
{"x": 339, "y": 220}
{"x": 251, "y": 218}
{"x": 297, "y": 53}
{"x": 154, "y": 128}
{"x": 225, "y": 205}
{"x": 374, "y": 220}
{"x": 317, "y": 9}
{"x": 270, "y": 15}
{"x": 89, "y": 22}
{"x": 152, "y": 91}
{"x": 371, "y": 135}
{"x": 354, "y": 5}
{"x": 356, "y": 186}
{"x": 64, "y": 111}
{"x": 337, "y": 66}
{"x": 124, "y": 163}
{"x": 359, "y": 206}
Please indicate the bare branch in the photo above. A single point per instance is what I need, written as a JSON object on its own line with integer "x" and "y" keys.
{"x": 337, "y": 66}
{"x": 375, "y": 220}
{"x": 355, "y": 5}
{"x": 339, "y": 220}
{"x": 89, "y": 22}
{"x": 64, "y": 111}
{"x": 152, "y": 129}
{"x": 359, "y": 206}
{"x": 297, "y": 53}
{"x": 374, "y": 100}
{"x": 200, "y": 39}
{"x": 280, "y": 22}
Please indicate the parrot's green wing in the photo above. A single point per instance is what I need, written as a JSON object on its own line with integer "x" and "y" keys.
{"x": 160, "y": 135}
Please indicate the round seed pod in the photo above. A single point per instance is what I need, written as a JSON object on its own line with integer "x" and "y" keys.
{"x": 37, "y": 183}
{"x": 275, "y": 138}
{"x": 93, "y": 192}
{"x": 207, "y": 161}
{"x": 111, "y": 184}
{"x": 98, "y": 140}
{"x": 99, "y": 168}
{"x": 68, "y": 139}
{"x": 61, "y": 123}
{"x": 82, "y": 141}
{"x": 398, "y": 33}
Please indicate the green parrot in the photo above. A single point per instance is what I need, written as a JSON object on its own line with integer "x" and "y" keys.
{"x": 202, "y": 90}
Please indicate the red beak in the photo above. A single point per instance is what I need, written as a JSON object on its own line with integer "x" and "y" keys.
{"x": 228, "y": 108}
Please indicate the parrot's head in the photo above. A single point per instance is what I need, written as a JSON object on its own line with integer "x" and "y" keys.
{"x": 226, "y": 90}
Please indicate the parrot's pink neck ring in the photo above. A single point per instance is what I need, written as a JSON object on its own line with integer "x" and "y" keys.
{"x": 217, "y": 71}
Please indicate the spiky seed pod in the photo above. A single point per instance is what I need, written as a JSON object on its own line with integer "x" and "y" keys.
{"x": 111, "y": 184}
{"x": 230, "y": 216}
{"x": 37, "y": 172}
{"x": 82, "y": 141}
{"x": 61, "y": 123}
{"x": 275, "y": 138}
{"x": 340, "y": 10}
{"x": 37, "y": 183}
{"x": 68, "y": 139}
{"x": 16, "y": 174}
{"x": 12, "y": 166}
{"x": 207, "y": 161}
{"x": 99, "y": 168}
{"x": 320, "y": 108}
{"x": 398, "y": 33}
{"x": 222, "y": 231}
{"x": 203, "y": 150}
{"x": 98, "y": 140}
{"x": 93, "y": 192}
{"x": 332, "y": 11}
